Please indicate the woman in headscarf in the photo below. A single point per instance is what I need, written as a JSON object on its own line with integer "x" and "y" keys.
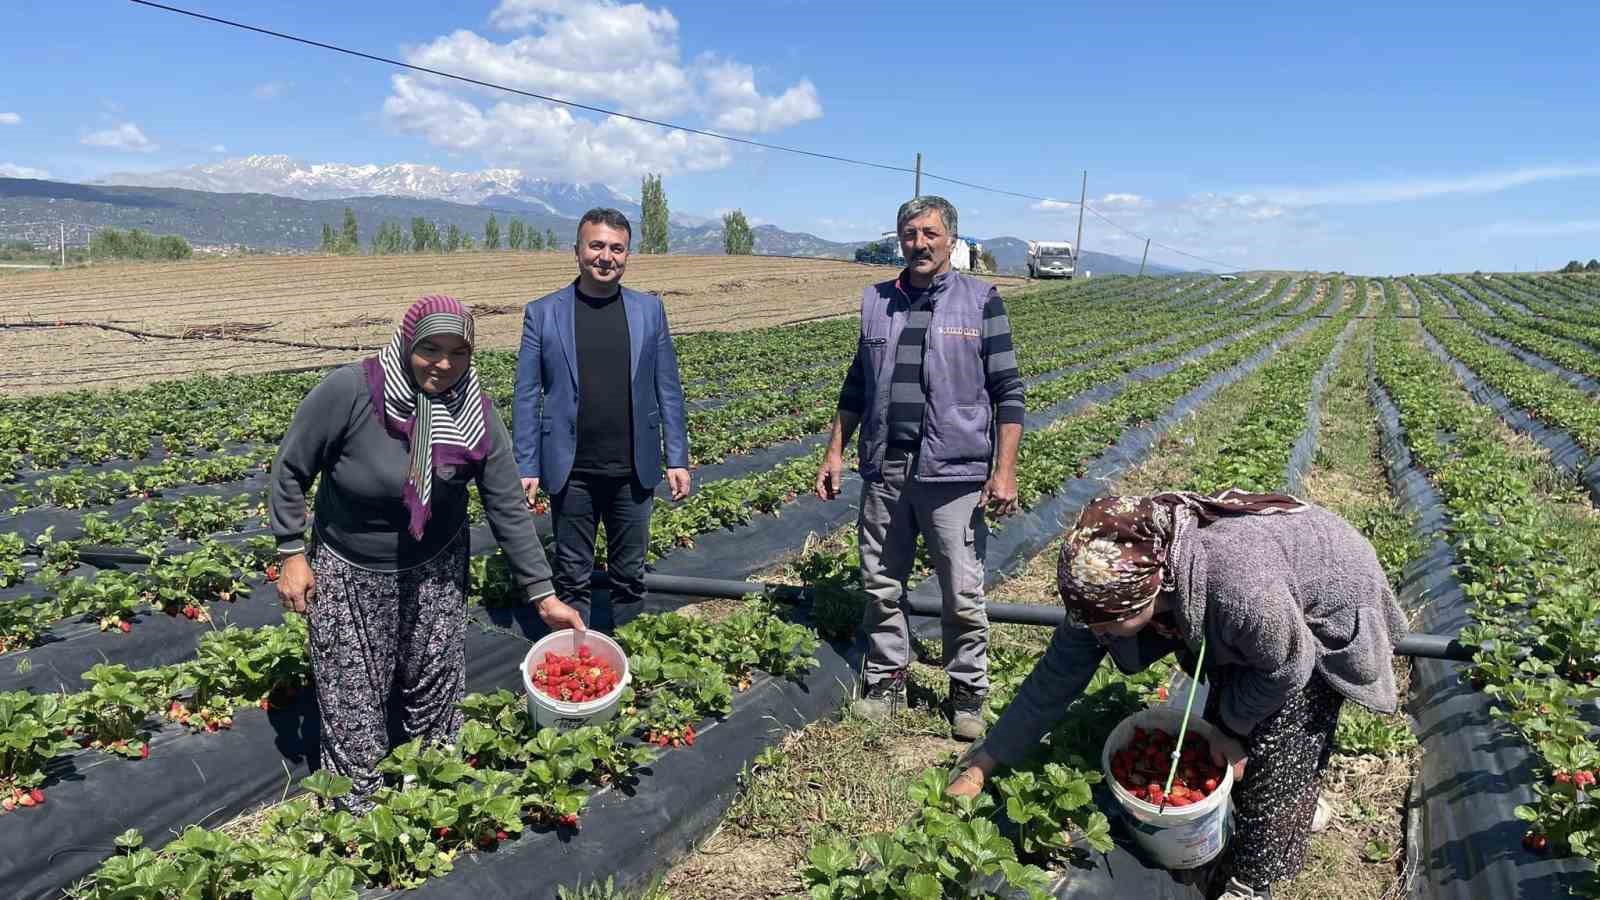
{"x": 396, "y": 439}
{"x": 1296, "y": 616}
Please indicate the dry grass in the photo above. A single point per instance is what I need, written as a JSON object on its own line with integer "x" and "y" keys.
{"x": 1361, "y": 854}
{"x": 354, "y": 301}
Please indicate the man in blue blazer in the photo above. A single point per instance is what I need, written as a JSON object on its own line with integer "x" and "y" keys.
{"x": 597, "y": 397}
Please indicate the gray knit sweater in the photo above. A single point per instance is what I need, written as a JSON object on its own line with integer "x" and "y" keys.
{"x": 359, "y": 511}
{"x": 1276, "y": 598}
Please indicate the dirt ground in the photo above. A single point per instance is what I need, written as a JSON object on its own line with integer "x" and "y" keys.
{"x": 337, "y": 306}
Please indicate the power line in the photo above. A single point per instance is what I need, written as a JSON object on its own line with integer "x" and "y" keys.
{"x": 572, "y": 104}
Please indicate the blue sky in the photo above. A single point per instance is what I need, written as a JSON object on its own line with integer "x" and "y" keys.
{"x": 1358, "y": 137}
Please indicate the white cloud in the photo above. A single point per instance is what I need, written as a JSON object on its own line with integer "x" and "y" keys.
{"x": 731, "y": 93}
{"x": 218, "y": 148}
{"x": 9, "y": 170}
{"x": 10, "y": 118}
{"x": 1054, "y": 205}
{"x": 601, "y": 53}
{"x": 1121, "y": 201}
{"x": 271, "y": 90}
{"x": 126, "y": 136}
{"x": 1361, "y": 193}
{"x": 546, "y": 138}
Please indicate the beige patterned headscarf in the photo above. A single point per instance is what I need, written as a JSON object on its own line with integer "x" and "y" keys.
{"x": 1113, "y": 562}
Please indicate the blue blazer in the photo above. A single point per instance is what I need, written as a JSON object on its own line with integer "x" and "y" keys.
{"x": 545, "y": 405}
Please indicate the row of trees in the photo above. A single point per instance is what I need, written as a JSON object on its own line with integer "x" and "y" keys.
{"x": 110, "y": 243}
{"x": 1575, "y": 266}
{"x": 425, "y": 236}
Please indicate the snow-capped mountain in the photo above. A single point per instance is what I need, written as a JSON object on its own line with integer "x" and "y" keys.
{"x": 289, "y": 177}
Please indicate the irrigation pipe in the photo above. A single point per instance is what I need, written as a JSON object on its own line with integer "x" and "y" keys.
{"x": 1428, "y": 646}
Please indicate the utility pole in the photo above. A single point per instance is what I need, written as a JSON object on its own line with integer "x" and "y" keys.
{"x": 63, "y": 244}
{"x": 917, "y": 191}
{"x": 1145, "y": 256}
{"x": 1077, "y": 247}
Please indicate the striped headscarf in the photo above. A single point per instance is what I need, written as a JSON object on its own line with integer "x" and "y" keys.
{"x": 445, "y": 429}
{"x": 1113, "y": 562}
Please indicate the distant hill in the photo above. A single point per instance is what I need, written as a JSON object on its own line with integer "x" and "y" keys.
{"x": 266, "y": 221}
{"x": 270, "y": 222}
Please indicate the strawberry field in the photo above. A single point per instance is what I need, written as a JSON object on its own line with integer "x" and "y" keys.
{"x": 158, "y": 736}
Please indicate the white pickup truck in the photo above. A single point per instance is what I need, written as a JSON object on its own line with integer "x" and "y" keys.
{"x": 1051, "y": 259}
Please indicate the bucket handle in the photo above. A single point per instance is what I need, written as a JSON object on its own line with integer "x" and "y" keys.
{"x": 1183, "y": 729}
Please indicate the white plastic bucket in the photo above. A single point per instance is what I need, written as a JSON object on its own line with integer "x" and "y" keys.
{"x": 547, "y": 711}
{"x": 1182, "y": 837}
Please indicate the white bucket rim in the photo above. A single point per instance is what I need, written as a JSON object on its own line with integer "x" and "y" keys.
{"x": 567, "y": 708}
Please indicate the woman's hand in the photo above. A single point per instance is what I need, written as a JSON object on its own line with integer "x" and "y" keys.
{"x": 969, "y": 781}
{"x": 1225, "y": 751}
{"x": 558, "y": 615}
{"x": 296, "y": 585}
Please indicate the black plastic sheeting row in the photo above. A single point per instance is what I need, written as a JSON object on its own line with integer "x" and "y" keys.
{"x": 1463, "y": 841}
{"x": 1565, "y": 453}
{"x": 1576, "y": 379}
{"x": 188, "y": 779}
{"x": 1304, "y": 453}
{"x": 630, "y": 836}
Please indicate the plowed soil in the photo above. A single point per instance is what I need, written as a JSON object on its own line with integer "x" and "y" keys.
{"x": 225, "y": 315}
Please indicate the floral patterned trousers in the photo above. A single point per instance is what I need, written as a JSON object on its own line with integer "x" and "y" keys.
{"x": 382, "y": 642}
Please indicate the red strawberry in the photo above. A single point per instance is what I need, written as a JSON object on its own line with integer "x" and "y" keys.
{"x": 265, "y": 703}
{"x": 144, "y": 752}
{"x": 570, "y": 820}
{"x": 1161, "y": 694}
{"x": 26, "y": 800}
{"x": 272, "y": 571}
{"x": 1537, "y": 843}
{"x": 441, "y": 833}
{"x": 501, "y": 836}
{"x": 472, "y": 762}
{"x": 1562, "y": 777}
{"x": 1583, "y": 779}
{"x": 125, "y": 626}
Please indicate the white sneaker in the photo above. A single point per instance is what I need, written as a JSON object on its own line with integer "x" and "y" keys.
{"x": 1238, "y": 890}
{"x": 1322, "y": 817}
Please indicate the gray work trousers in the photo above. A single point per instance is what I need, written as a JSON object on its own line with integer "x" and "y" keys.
{"x": 947, "y": 515}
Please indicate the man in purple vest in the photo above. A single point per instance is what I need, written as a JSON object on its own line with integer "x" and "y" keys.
{"x": 936, "y": 392}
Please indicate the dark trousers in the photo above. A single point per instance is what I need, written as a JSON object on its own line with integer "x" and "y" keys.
{"x": 575, "y": 512}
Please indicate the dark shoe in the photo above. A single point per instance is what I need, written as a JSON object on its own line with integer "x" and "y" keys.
{"x": 966, "y": 714}
{"x": 882, "y": 699}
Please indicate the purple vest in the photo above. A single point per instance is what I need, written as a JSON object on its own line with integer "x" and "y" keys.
{"x": 957, "y": 439}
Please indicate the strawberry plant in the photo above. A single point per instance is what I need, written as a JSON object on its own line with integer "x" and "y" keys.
{"x": 11, "y": 549}
{"x": 1047, "y": 806}
{"x": 111, "y": 714}
{"x": 32, "y": 732}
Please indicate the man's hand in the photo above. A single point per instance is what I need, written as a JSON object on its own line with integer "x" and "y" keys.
{"x": 530, "y": 488}
{"x": 1000, "y": 493}
{"x": 969, "y": 781}
{"x": 830, "y": 476}
{"x": 678, "y": 481}
{"x": 296, "y": 585}
{"x": 558, "y": 615}
{"x": 1225, "y": 751}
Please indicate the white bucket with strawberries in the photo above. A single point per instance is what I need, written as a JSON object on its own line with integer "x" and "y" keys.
{"x": 1187, "y": 826}
{"x": 574, "y": 679}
